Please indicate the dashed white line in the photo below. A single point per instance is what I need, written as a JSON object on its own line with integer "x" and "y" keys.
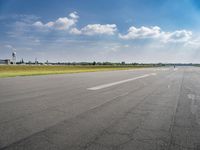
{"x": 119, "y": 82}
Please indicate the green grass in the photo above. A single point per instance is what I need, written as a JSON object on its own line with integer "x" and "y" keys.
{"x": 26, "y": 70}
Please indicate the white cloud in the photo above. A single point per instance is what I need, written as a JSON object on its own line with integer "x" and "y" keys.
{"x": 96, "y": 29}
{"x": 75, "y": 31}
{"x": 126, "y": 46}
{"x": 38, "y": 24}
{"x": 193, "y": 43}
{"x": 155, "y": 32}
{"x": 177, "y": 36}
{"x": 63, "y": 23}
{"x": 74, "y": 15}
{"x": 69, "y": 23}
{"x": 141, "y": 33}
{"x": 93, "y": 29}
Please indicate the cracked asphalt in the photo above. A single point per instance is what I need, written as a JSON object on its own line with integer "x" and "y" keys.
{"x": 58, "y": 112}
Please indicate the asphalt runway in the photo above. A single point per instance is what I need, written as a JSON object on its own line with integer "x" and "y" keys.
{"x": 144, "y": 109}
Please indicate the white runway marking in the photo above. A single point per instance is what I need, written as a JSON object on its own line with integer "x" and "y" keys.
{"x": 175, "y": 69}
{"x": 163, "y": 69}
{"x": 119, "y": 82}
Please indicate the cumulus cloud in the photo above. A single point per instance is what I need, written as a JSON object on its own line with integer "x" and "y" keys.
{"x": 74, "y": 15}
{"x": 63, "y": 23}
{"x": 75, "y": 31}
{"x": 93, "y": 29}
{"x": 141, "y": 33}
{"x": 60, "y": 24}
{"x": 177, "y": 36}
{"x": 69, "y": 24}
{"x": 155, "y": 32}
{"x": 96, "y": 29}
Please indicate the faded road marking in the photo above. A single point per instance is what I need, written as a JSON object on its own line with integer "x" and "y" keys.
{"x": 120, "y": 82}
{"x": 163, "y": 69}
{"x": 175, "y": 69}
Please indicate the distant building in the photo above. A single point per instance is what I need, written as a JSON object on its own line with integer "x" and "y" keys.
{"x": 5, "y": 61}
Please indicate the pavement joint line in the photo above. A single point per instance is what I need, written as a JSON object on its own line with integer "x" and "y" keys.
{"x": 119, "y": 82}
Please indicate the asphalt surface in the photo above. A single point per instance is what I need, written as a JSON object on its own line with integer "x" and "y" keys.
{"x": 147, "y": 109}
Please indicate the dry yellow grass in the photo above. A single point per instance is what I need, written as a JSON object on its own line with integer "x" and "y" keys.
{"x": 28, "y": 70}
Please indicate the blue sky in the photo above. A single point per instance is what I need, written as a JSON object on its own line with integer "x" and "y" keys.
{"x": 146, "y": 31}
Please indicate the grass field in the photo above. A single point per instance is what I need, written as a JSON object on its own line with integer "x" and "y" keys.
{"x": 26, "y": 70}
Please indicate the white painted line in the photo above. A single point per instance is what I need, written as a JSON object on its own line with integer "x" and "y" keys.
{"x": 163, "y": 69}
{"x": 175, "y": 69}
{"x": 119, "y": 82}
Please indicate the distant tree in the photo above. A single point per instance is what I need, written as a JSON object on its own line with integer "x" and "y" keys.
{"x": 107, "y": 63}
{"x": 94, "y": 63}
{"x": 22, "y": 61}
{"x": 123, "y": 63}
{"x": 99, "y": 63}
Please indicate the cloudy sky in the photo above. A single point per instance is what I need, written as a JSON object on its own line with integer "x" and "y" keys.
{"x": 144, "y": 31}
